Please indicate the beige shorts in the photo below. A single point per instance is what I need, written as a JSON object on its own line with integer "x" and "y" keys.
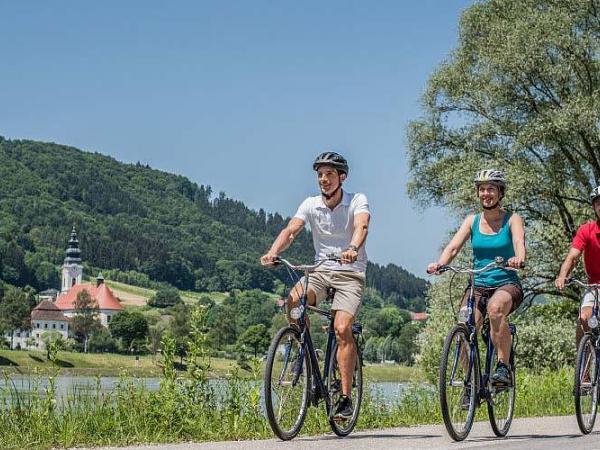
{"x": 348, "y": 287}
{"x": 588, "y": 299}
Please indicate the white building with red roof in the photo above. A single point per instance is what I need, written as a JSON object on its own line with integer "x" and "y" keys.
{"x": 72, "y": 276}
{"x": 44, "y": 317}
{"x": 49, "y": 316}
{"x": 101, "y": 293}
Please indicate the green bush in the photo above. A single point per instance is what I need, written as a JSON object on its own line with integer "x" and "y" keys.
{"x": 165, "y": 297}
{"x": 102, "y": 341}
{"x": 546, "y": 336}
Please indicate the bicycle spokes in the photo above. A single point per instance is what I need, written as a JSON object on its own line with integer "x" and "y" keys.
{"x": 458, "y": 387}
{"x": 586, "y": 384}
{"x": 287, "y": 380}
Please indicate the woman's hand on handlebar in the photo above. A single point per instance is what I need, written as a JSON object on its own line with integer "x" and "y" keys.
{"x": 515, "y": 262}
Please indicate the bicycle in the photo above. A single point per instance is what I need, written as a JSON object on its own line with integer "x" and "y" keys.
{"x": 292, "y": 375}
{"x": 585, "y": 387}
{"x": 461, "y": 379}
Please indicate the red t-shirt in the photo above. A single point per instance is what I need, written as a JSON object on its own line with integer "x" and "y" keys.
{"x": 587, "y": 240}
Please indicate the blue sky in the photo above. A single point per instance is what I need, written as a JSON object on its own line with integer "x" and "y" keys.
{"x": 240, "y": 95}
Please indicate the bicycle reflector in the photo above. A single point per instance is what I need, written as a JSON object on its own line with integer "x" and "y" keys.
{"x": 296, "y": 313}
{"x": 463, "y": 314}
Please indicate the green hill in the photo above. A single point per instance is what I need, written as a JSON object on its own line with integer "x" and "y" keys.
{"x": 142, "y": 225}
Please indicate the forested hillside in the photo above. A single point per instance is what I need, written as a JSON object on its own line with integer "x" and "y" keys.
{"x": 141, "y": 224}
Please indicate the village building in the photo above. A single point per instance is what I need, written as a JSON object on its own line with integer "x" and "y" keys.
{"x": 72, "y": 275}
{"x": 56, "y": 308}
{"x": 44, "y": 317}
{"x": 101, "y": 293}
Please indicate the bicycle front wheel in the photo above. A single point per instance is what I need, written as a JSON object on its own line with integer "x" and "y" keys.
{"x": 586, "y": 384}
{"x": 501, "y": 403}
{"x": 287, "y": 384}
{"x": 458, "y": 383}
{"x": 334, "y": 388}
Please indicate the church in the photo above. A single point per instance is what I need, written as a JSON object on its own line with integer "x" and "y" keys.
{"x": 56, "y": 308}
{"x": 72, "y": 275}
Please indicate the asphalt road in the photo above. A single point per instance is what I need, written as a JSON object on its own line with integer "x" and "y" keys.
{"x": 542, "y": 433}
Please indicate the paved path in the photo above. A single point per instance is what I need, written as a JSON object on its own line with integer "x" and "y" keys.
{"x": 525, "y": 434}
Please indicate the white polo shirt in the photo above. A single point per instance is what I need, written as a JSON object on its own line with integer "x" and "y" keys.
{"x": 332, "y": 229}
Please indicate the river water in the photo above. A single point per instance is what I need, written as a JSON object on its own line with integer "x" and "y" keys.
{"x": 66, "y": 386}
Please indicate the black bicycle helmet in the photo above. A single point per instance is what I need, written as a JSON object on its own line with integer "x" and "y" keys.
{"x": 331, "y": 159}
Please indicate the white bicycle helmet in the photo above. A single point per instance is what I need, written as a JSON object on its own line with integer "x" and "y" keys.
{"x": 594, "y": 194}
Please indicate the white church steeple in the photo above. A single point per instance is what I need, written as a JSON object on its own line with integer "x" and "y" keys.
{"x": 72, "y": 271}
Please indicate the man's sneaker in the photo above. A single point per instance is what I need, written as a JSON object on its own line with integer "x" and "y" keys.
{"x": 465, "y": 399}
{"x": 343, "y": 409}
{"x": 502, "y": 375}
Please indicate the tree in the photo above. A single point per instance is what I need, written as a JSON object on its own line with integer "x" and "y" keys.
{"x": 155, "y": 334}
{"x": 255, "y": 337}
{"x": 519, "y": 93}
{"x": 129, "y": 326}
{"x": 54, "y": 342}
{"x": 165, "y": 297}
{"x": 102, "y": 341}
{"x": 387, "y": 321}
{"x": 180, "y": 328}
{"x": 85, "y": 321}
{"x": 15, "y": 310}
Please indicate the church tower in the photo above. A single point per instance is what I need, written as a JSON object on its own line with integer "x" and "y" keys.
{"x": 72, "y": 271}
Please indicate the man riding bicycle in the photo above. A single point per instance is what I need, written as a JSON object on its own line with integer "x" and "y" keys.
{"x": 339, "y": 222}
{"x": 494, "y": 232}
{"x": 586, "y": 241}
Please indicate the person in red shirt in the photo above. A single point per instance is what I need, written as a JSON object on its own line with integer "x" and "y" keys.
{"x": 586, "y": 241}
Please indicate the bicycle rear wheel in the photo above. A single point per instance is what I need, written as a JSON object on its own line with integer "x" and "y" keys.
{"x": 458, "y": 383}
{"x": 586, "y": 384}
{"x": 501, "y": 403}
{"x": 286, "y": 384}
{"x": 334, "y": 388}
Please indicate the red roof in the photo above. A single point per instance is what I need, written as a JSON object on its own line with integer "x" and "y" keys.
{"x": 418, "y": 317}
{"x": 47, "y": 310}
{"x": 102, "y": 294}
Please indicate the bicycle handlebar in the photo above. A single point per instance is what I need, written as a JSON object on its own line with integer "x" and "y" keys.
{"x": 497, "y": 263}
{"x": 569, "y": 281}
{"x": 307, "y": 267}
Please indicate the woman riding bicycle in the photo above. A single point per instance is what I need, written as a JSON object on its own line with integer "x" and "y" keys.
{"x": 493, "y": 232}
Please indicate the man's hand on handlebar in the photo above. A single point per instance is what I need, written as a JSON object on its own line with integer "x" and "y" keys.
{"x": 269, "y": 259}
{"x": 432, "y": 269}
{"x": 348, "y": 256}
{"x": 560, "y": 283}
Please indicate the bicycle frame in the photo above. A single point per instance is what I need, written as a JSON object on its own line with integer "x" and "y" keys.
{"x": 319, "y": 388}
{"x": 594, "y": 331}
{"x": 482, "y": 377}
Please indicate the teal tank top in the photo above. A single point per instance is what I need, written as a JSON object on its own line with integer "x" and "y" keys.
{"x": 485, "y": 249}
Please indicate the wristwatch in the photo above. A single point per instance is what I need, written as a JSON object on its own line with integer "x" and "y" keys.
{"x": 353, "y": 247}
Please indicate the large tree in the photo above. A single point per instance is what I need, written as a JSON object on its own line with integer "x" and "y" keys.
{"x": 521, "y": 93}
